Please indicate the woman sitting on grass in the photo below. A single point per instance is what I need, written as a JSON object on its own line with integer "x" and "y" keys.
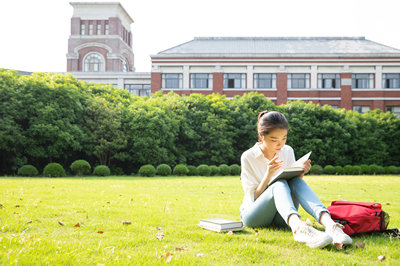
{"x": 278, "y": 203}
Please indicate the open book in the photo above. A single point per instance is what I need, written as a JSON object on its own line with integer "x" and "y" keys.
{"x": 291, "y": 171}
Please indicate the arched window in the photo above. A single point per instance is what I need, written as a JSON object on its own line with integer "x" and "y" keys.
{"x": 125, "y": 66}
{"x": 93, "y": 63}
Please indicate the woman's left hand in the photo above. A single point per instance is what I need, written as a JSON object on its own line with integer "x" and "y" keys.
{"x": 306, "y": 167}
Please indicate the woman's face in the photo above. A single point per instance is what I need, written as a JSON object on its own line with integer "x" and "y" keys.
{"x": 274, "y": 140}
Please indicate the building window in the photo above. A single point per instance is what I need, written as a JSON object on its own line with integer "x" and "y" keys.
{"x": 172, "y": 81}
{"x": 106, "y": 29}
{"x": 363, "y": 81}
{"x": 393, "y": 109}
{"x": 234, "y": 81}
{"x": 334, "y": 106}
{"x": 361, "y": 108}
{"x": 298, "y": 81}
{"x": 98, "y": 28}
{"x": 125, "y": 66}
{"x": 201, "y": 81}
{"x": 93, "y": 63}
{"x": 264, "y": 81}
{"x": 391, "y": 81}
{"x": 138, "y": 89}
{"x": 329, "y": 81}
{"x": 82, "y": 29}
{"x": 90, "y": 29}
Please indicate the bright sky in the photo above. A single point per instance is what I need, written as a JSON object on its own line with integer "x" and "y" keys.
{"x": 34, "y": 34}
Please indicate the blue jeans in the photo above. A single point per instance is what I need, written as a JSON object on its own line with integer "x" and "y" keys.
{"x": 279, "y": 201}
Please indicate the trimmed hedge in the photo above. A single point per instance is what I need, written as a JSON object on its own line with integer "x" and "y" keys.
{"x": 28, "y": 170}
{"x": 329, "y": 170}
{"x": 80, "y": 167}
{"x": 214, "y": 170}
{"x": 54, "y": 170}
{"x": 338, "y": 170}
{"x": 235, "y": 169}
{"x": 316, "y": 169}
{"x": 224, "y": 170}
{"x": 192, "y": 170}
{"x": 163, "y": 170}
{"x": 101, "y": 170}
{"x": 204, "y": 170}
{"x": 181, "y": 169}
{"x": 147, "y": 170}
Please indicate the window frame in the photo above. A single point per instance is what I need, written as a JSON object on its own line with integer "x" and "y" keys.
{"x": 257, "y": 79}
{"x": 231, "y": 80}
{"x": 138, "y": 89}
{"x": 86, "y": 65}
{"x": 194, "y": 79}
{"x": 395, "y": 80}
{"x": 166, "y": 78}
{"x": 306, "y": 79}
{"x": 355, "y": 82}
{"x": 361, "y": 108}
{"x": 322, "y": 79}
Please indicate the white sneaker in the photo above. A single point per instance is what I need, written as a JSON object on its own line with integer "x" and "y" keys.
{"x": 311, "y": 236}
{"x": 338, "y": 236}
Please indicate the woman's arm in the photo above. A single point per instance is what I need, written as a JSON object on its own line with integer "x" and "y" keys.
{"x": 272, "y": 167}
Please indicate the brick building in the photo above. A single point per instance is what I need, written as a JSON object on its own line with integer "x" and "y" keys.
{"x": 100, "y": 47}
{"x": 345, "y": 72}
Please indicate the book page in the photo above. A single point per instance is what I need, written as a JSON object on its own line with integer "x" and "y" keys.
{"x": 296, "y": 164}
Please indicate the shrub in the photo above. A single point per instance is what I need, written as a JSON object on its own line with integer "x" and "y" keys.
{"x": 54, "y": 170}
{"x": 235, "y": 169}
{"x": 381, "y": 170}
{"x": 374, "y": 169}
{"x": 101, "y": 170}
{"x": 80, "y": 167}
{"x": 164, "y": 170}
{"x": 214, "y": 170}
{"x": 357, "y": 170}
{"x": 204, "y": 170}
{"x": 397, "y": 170}
{"x": 224, "y": 169}
{"x": 147, "y": 170}
{"x": 192, "y": 170}
{"x": 115, "y": 170}
{"x": 338, "y": 170}
{"x": 365, "y": 169}
{"x": 329, "y": 170}
{"x": 180, "y": 169}
{"x": 348, "y": 169}
{"x": 316, "y": 169}
{"x": 27, "y": 170}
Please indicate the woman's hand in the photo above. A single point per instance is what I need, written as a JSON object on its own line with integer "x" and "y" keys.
{"x": 273, "y": 166}
{"x": 306, "y": 168}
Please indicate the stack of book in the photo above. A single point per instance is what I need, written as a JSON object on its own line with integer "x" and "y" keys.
{"x": 221, "y": 225}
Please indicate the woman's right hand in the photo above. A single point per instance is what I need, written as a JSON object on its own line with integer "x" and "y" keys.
{"x": 273, "y": 166}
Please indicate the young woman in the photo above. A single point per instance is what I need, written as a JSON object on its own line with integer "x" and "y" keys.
{"x": 278, "y": 204}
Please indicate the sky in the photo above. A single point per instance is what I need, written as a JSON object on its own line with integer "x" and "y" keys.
{"x": 34, "y": 33}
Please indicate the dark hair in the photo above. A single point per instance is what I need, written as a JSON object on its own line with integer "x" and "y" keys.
{"x": 268, "y": 121}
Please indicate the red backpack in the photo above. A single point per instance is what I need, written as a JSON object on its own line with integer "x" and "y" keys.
{"x": 359, "y": 217}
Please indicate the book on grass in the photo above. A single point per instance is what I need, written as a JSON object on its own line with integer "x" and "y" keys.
{"x": 221, "y": 225}
{"x": 291, "y": 171}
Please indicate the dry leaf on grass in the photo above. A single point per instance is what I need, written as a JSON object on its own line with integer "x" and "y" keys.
{"x": 159, "y": 228}
{"x": 17, "y": 206}
{"x": 126, "y": 222}
{"x": 381, "y": 258}
{"x": 339, "y": 246}
{"x": 360, "y": 245}
{"x": 179, "y": 249}
{"x": 160, "y": 236}
{"x": 61, "y": 223}
{"x": 256, "y": 231}
{"x": 2, "y": 206}
{"x": 387, "y": 203}
{"x": 77, "y": 225}
{"x": 28, "y": 222}
{"x": 168, "y": 256}
{"x": 100, "y": 232}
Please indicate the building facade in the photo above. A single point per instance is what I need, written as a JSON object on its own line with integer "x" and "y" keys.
{"x": 100, "y": 47}
{"x": 345, "y": 72}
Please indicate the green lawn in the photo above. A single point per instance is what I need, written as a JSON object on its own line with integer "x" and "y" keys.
{"x": 30, "y": 232}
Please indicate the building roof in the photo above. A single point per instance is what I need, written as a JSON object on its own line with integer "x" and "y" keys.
{"x": 280, "y": 46}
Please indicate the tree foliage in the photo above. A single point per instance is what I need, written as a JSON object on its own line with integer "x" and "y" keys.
{"x": 52, "y": 117}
